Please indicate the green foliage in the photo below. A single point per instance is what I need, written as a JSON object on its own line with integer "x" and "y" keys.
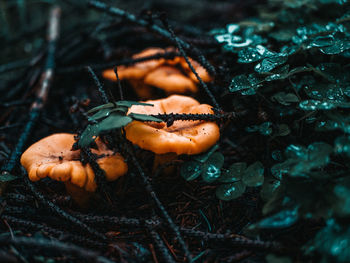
{"x": 111, "y": 116}
{"x": 234, "y": 180}
{"x": 7, "y": 177}
{"x": 292, "y": 61}
{"x": 332, "y": 242}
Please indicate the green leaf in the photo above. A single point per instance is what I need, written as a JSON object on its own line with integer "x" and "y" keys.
{"x": 126, "y": 103}
{"x": 270, "y": 63}
{"x": 342, "y": 145}
{"x": 121, "y": 103}
{"x": 144, "y": 117}
{"x": 317, "y": 105}
{"x": 231, "y": 191}
{"x": 191, "y": 170}
{"x": 282, "y": 219}
{"x": 332, "y": 243}
{"x": 234, "y": 173}
{"x": 340, "y": 44}
{"x": 253, "y": 54}
{"x": 283, "y": 130}
{"x": 301, "y": 160}
{"x": 202, "y": 158}
{"x": 269, "y": 187}
{"x": 285, "y": 98}
{"x": 105, "y": 113}
{"x": 101, "y": 107}
{"x": 342, "y": 192}
{"x": 7, "y": 177}
{"x": 254, "y": 175}
{"x": 334, "y": 121}
{"x": 246, "y": 85}
{"x": 264, "y": 128}
{"x": 89, "y": 135}
{"x": 114, "y": 121}
{"x": 212, "y": 167}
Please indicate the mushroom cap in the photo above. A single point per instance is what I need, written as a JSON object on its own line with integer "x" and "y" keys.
{"x": 138, "y": 70}
{"x": 183, "y": 137}
{"x": 202, "y": 72}
{"x": 162, "y": 73}
{"x": 170, "y": 79}
{"x": 52, "y": 156}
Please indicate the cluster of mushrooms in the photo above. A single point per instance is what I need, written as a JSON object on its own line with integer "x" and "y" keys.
{"x": 54, "y": 156}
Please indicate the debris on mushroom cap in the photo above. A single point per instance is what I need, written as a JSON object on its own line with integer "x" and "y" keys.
{"x": 183, "y": 137}
{"x": 138, "y": 70}
{"x": 162, "y": 73}
{"x": 53, "y": 156}
{"x": 202, "y": 73}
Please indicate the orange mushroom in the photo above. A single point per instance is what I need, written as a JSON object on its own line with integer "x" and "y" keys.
{"x": 53, "y": 157}
{"x": 170, "y": 79}
{"x": 183, "y": 137}
{"x": 171, "y": 75}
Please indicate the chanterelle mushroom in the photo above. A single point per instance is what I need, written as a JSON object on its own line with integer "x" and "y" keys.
{"x": 53, "y": 157}
{"x": 183, "y": 137}
{"x": 171, "y": 75}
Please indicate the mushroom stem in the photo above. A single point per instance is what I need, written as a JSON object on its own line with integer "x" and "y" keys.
{"x": 161, "y": 159}
{"x": 79, "y": 195}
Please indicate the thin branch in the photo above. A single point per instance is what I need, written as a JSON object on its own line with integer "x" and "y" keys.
{"x": 170, "y": 118}
{"x": 43, "y": 90}
{"x": 183, "y": 53}
{"x": 122, "y": 62}
{"x": 99, "y": 85}
{"x": 119, "y": 84}
{"x": 159, "y": 204}
{"x": 154, "y": 28}
{"x": 54, "y": 245}
{"x": 57, "y": 210}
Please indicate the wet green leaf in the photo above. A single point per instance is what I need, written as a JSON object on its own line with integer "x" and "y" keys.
{"x": 285, "y": 98}
{"x": 89, "y": 135}
{"x": 334, "y": 121}
{"x": 302, "y": 160}
{"x": 212, "y": 167}
{"x": 283, "y": 130}
{"x": 114, "y": 121}
{"x": 104, "y": 113}
{"x": 342, "y": 192}
{"x": 231, "y": 191}
{"x": 254, "y": 175}
{"x": 126, "y": 103}
{"x": 282, "y": 219}
{"x": 245, "y": 84}
{"x": 342, "y": 145}
{"x": 340, "y": 44}
{"x": 234, "y": 173}
{"x": 269, "y": 187}
{"x": 7, "y": 177}
{"x": 144, "y": 117}
{"x": 101, "y": 107}
{"x": 191, "y": 170}
{"x": 253, "y": 54}
{"x": 317, "y": 105}
{"x": 264, "y": 128}
{"x": 202, "y": 158}
{"x": 270, "y": 63}
{"x": 332, "y": 242}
